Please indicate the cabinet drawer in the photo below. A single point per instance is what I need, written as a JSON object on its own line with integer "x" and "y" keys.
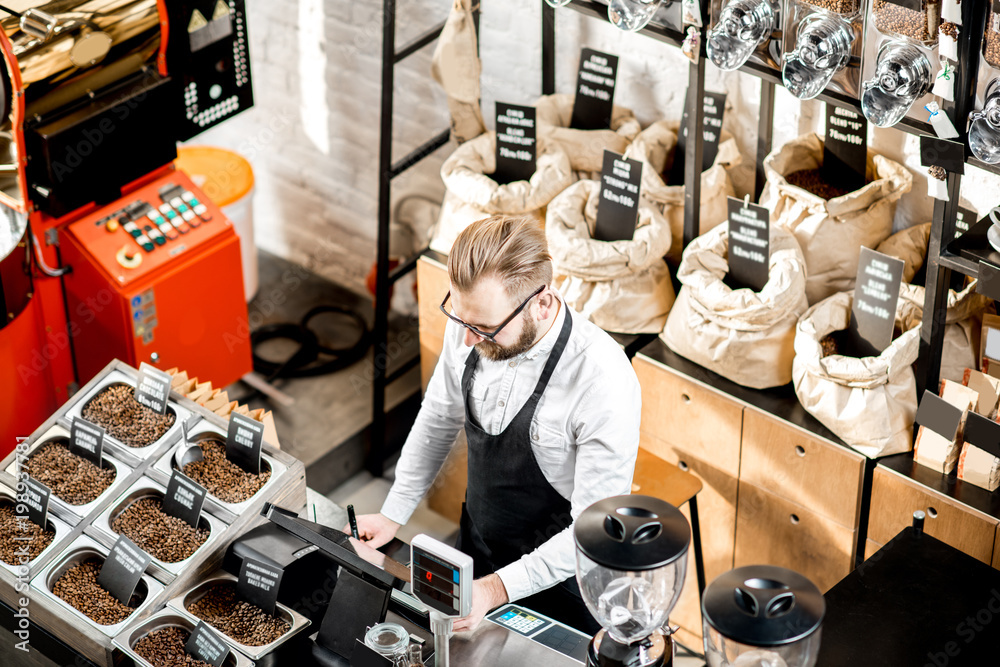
{"x": 684, "y": 413}
{"x": 807, "y": 470}
{"x": 771, "y": 530}
{"x": 432, "y": 285}
{"x": 895, "y": 498}
{"x": 430, "y": 351}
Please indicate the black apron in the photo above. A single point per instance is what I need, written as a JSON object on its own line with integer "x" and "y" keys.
{"x": 510, "y": 508}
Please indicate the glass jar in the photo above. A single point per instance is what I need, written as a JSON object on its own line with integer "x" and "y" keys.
{"x": 388, "y": 639}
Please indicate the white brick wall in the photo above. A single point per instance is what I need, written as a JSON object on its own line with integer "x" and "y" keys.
{"x": 313, "y": 135}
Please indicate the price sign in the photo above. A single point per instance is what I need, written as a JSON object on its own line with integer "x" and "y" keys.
{"x": 184, "y": 498}
{"x": 749, "y": 244}
{"x": 845, "y": 150}
{"x": 516, "y": 145}
{"x": 87, "y": 440}
{"x": 35, "y": 499}
{"x": 153, "y": 388}
{"x": 939, "y": 415}
{"x": 949, "y": 155}
{"x": 618, "y": 206}
{"x": 966, "y": 218}
{"x": 259, "y": 583}
{"x": 205, "y": 645}
{"x": 873, "y": 313}
{"x": 595, "y": 91}
{"x": 123, "y": 569}
{"x": 243, "y": 442}
{"x": 714, "y": 105}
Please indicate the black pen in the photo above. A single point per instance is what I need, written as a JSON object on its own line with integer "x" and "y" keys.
{"x": 353, "y": 520}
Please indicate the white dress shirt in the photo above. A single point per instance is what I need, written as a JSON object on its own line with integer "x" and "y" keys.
{"x": 584, "y": 433}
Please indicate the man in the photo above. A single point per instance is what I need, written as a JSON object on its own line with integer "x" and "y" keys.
{"x": 550, "y": 406}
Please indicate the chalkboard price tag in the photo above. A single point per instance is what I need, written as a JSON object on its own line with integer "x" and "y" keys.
{"x": 205, "y": 644}
{"x": 87, "y": 440}
{"x": 912, "y": 5}
{"x": 258, "y": 584}
{"x": 184, "y": 498}
{"x": 153, "y": 388}
{"x": 983, "y": 433}
{"x": 714, "y": 105}
{"x": 845, "y": 150}
{"x": 749, "y": 244}
{"x": 949, "y": 155}
{"x": 876, "y": 291}
{"x": 36, "y": 499}
{"x": 965, "y": 219}
{"x": 516, "y": 145}
{"x": 243, "y": 442}
{"x": 939, "y": 415}
{"x": 595, "y": 91}
{"x": 123, "y": 569}
{"x": 618, "y": 206}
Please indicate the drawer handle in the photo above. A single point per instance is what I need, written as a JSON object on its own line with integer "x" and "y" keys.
{"x": 685, "y": 398}
{"x": 794, "y": 518}
{"x": 800, "y": 450}
{"x": 683, "y": 466}
{"x": 931, "y": 512}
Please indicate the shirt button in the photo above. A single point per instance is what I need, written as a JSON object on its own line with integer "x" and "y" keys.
{"x": 512, "y": 364}
{"x": 535, "y": 436}
{"x": 500, "y": 404}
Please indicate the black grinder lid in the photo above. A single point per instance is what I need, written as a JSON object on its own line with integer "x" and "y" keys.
{"x": 763, "y": 605}
{"x": 632, "y": 533}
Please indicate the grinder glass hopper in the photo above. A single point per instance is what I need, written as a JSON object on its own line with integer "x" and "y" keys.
{"x": 742, "y": 26}
{"x": 631, "y": 556}
{"x": 902, "y": 74}
{"x": 822, "y": 48}
{"x": 762, "y": 616}
{"x": 984, "y": 130}
{"x": 632, "y": 15}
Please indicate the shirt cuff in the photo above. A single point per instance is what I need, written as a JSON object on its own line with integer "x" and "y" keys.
{"x": 398, "y": 509}
{"x": 515, "y": 580}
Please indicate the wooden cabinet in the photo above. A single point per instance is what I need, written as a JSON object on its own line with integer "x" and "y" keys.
{"x": 684, "y": 413}
{"x": 895, "y": 498}
{"x": 996, "y": 551}
{"x": 430, "y": 351}
{"x": 432, "y": 285}
{"x": 774, "y": 531}
{"x": 791, "y": 463}
{"x": 871, "y": 548}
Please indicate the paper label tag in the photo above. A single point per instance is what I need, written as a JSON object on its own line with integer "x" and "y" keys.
{"x": 949, "y": 155}
{"x": 715, "y": 110}
{"x": 876, "y": 291}
{"x": 184, "y": 498}
{"x": 516, "y": 145}
{"x": 983, "y": 433}
{"x": 205, "y": 645}
{"x": 845, "y": 150}
{"x": 153, "y": 388}
{"x": 87, "y": 440}
{"x": 749, "y": 244}
{"x": 123, "y": 569}
{"x": 259, "y": 583}
{"x": 595, "y": 91}
{"x": 36, "y": 499}
{"x": 618, "y": 207}
{"x": 939, "y": 415}
{"x": 243, "y": 442}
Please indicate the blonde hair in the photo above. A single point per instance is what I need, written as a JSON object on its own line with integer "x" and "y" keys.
{"x": 509, "y": 248}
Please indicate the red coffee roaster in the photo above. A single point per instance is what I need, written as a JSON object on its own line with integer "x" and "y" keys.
{"x": 106, "y": 251}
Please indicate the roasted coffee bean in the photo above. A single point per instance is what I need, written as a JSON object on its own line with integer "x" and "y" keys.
{"x": 165, "y": 648}
{"x": 79, "y": 587}
{"x": 893, "y": 19}
{"x": 937, "y": 172}
{"x": 162, "y": 536}
{"x": 73, "y": 478}
{"x": 246, "y": 623}
{"x": 991, "y": 41}
{"x": 829, "y": 347}
{"x": 224, "y": 479}
{"x": 811, "y": 180}
{"x": 124, "y": 418}
{"x": 838, "y": 6}
{"x": 21, "y": 540}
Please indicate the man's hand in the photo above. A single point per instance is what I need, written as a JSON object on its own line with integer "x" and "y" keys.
{"x": 488, "y": 593}
{"x": 374, "y": 529}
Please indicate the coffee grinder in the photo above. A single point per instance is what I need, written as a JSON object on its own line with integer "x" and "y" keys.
{"x": 631, "y": 557}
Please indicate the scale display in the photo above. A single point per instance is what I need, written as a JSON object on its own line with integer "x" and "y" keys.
{"x": 438, "y": 574}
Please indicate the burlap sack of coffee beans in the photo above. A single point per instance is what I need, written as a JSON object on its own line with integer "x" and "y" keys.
{"x": 222, "y": 478}
{"x": 585, "y": 148}
{"x": 239, "y": 620}
{"x": 909, "y": 245}
{"x": 18, "y": 534}
{"x": 124, "y": 418}
{"x": 831, "y": 232}
{"x": 165, "y": 647}
{"x": 656, "y": 148}
{"x": 79, "y": 588}
{"x": 162, "y": 536}
{"x": 72, "y": 478}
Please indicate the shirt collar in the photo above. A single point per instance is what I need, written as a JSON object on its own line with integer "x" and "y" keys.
{"x": 548, "y": 341}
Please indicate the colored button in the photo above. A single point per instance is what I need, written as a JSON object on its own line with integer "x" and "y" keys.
{"x": 171, "y": 214}
{"x": 182, "y": 207}
{"x": 148, "y": 247}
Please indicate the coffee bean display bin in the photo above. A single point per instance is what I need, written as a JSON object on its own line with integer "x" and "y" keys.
{"x": 11, "y": 574}
{"x": 166, "y": 618}
{"x": 89, "y": 529}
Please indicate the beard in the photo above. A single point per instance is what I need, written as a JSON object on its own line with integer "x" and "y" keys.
{"x": 495, "y": 352}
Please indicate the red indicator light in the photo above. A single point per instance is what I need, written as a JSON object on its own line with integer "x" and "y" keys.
{"x": 429, "y": 576}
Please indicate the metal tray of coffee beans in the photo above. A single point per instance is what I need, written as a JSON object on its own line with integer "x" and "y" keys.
{"x": 190, "y": 451}
{"x": 127, "y": 640}
{"x": 260, "y": 654}
{"x": 147, "y": 488}
{"x": 13, "y": 549}
{"x": 84, "y": 548}
{"x": 140, "y": 434}
{"x": 64, "y": 509}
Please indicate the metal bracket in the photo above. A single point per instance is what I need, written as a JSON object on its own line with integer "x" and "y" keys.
{"x": 52, "y": 236}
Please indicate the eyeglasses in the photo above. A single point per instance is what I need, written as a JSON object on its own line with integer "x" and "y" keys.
{"x": 482, "y": 334}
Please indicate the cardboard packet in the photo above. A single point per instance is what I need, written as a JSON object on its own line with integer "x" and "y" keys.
{"x": 979, "y": 467}
{"x": 226, "y": 409}
{"x": 939, "y": 452}
{"x": 218, "y": 399}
